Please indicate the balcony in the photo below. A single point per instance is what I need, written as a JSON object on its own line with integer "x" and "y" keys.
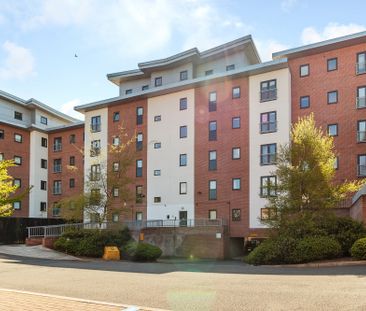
{"x": 361, "y": 136}
{"x": 94, "y": 152}
{"x": 95, "y": 127}
{"x": 268, "y": 159}
{"x": 268, "y": 127}
{"x": 360, "y": 68}
{"x": 361, "y": 102}
{"x": 361, "y": 170}
{"x": 94, "y": 176}
{"x": 267, "y": 95}
{"x": 57, "y": 168}
{"x": 57, "y": 147}
{"x": 212, "y": 106}
{"x": 56, "y": 190}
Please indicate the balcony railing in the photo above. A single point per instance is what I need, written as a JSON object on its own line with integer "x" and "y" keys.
{"x": 57, "y": 168}
{"x": 361, "y": 102}
{"x": 360, "y": 68}
{"x": 94, "y": 152}
{"x": 56, "y": 190}
{"x": 361, "y": 136}
{"x": 95, "y": 127}
{"x": 267, "y": 159}
{"x": 267, "y": 95}
{"x": 361, "y": 170}
{"x": 57, "y": 147}
{"x": 268, "y": 127}
{"x": 94, "y": 176}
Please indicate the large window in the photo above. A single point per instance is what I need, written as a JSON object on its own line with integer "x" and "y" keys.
{"x": 57, "y": 166}
{"x": 57, "y": 144}
{"x": 268, "y": 154}
{"x": 361, "y": 131}
{"x": 183, "y": 131}
{"x": 268, "y": 90}
{"x": 95, "y": 172}
{"x": 183, "y": 159}
{"x": 57, "y": 187}
{"x": 95, "y": 125}
{"x": 139, "y": 139}
{"x": 212, "y": 134}
{"x": 361, "y": 97}
{"x": 268, "y": 122}
{"x": 361, "y": 165}
{"x": 212, "y": 194}
{"x": 138, "y": 168}
{"x": 212, "y": 160}
{"x": 212, "y": 101}
{"x": 361, "y": 63}
{"x": 268, "y": 186}
{"x": 139, "y": 115}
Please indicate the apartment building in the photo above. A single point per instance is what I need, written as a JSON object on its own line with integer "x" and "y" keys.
{"x": 29, "y": 134}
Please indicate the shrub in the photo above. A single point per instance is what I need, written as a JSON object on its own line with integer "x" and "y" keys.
{"x": 358, "y": 249}
{"x": 140, "y": 251}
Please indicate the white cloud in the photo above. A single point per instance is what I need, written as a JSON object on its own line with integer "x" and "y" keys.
{"x": 287, "y": 5}
{"x": 332, "y": 30}
{"x": 68, "y": 108}
{"x": 266, "y": 48}
{"x": 18, "y": 62}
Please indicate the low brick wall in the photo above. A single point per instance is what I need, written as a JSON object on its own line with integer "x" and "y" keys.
{"x": 33, "y": 241}
{"x": 46, "y": 242}
{"x": 199, "y": 242}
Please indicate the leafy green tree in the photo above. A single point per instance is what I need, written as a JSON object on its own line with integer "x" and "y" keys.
{"x": 7, "y": 188}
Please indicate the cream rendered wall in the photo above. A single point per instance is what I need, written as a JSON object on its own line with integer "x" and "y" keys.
{"x": 7, "y": 110}
{"x": 283, "y": 108}
{"x": 36, "y": 174}
{"x": 89, "y": 136}
{"x": 167, "y": 158}
{"x": 135, "y": 85}
{"x": 171, "y": 75}
{"x": 52, "y": 120}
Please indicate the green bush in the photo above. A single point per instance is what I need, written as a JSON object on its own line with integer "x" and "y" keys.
{"x": 90, "y": 243}
{"x": 140, "y": 251}
{"x": 358, "y": 249}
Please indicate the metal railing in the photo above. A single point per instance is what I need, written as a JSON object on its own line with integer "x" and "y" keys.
{"x": 57, "y": 230}
{"x": 268, "y": 127}
{"x": 57, "y": 147}
{"x": 361, "y": 136}
{"x": 361, "y": 170}
{"x": 361, "y": 102}
{"x": 360, "y": 68}
{"x": 95, "y": 127}
{"x": 266, "y": 95}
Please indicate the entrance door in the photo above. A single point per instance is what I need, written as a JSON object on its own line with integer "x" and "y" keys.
{"x": 183, "y": 218}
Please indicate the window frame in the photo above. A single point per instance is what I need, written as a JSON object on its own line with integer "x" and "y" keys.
{"x": 183, "y": 75}
{"x": 232, "y": 153}
{"x": 20, "y": 136}
{"x": 212, "y": 164}
{"x": 301, "y": 102}
{"x": 212, "y": 134}
{"x": 183, "y": 103}
{"x": 158, "y": 81}
{"x": 116, "y": 116}
{"x": 329, "y": 93}
{"x": 18, "y": 115}
{"x": 183, "y": 184}
{"x": 336, "y": 127}
{"x": 308, "y": 70}
{"x": 183, "y": 134}
{"x": 212, "y": 104}
{"x": 183, "y": 156}
{"x": 268, "y": 156}
{"x": 235, "y": 95}
{"x": 233, "y": 183}
{"x": 212, "y": 192}
{"x": 139, "y": 169}
{"x": 269, "y": 194}
{"x": 20, "y": 160}
{"x": 336, "y": 63}
{"x": 233, "y": 217}
{"x": 233, "y": 125}
{"x": 44, "y": 120}
{"x": 209, "y": 214}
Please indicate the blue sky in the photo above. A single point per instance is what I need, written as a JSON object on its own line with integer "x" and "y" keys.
{"x": 39, "y": 38}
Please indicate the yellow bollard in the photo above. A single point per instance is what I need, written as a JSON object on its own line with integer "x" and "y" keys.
{"x": 111, "y": 253}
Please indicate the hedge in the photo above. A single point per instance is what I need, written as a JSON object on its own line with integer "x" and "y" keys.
{"x": 139, "y": 251}
{"x": 358, "y": 249}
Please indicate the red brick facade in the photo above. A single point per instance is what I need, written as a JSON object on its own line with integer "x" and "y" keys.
{"x": 227, "y": 169}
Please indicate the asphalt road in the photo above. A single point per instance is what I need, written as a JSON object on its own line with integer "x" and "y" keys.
{"x": 191, "y": 286}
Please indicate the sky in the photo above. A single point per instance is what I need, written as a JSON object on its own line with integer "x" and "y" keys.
{"x": 39, "y": 39}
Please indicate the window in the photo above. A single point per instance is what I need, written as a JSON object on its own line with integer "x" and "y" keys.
{"x": 129, "y": 91}
{"x": 268, "y": 186}
{"x": 157, "y": 172}
{"x": 18, "y": 138}
{"x": 72, "y": 161}
{"x": 268, "y": 213}
{"x": 236, "y": 214}
{"x": 115, "y": 141}
{"x": 236, "y": 92}
{"x": 115, "y": 192}
{"x": 116, "y": 116}
{"x": 139, "y": 194}
{"x": 57, "y": 144}
{"x": 304, "y": 70}
{"x": 18, "y": 115}
{"x": 212, "y": 160}
{"x": 2, "y": 135}
{"x": 332, "y": 64}
{"x": 145, "y": 87}
{"x": 17, "y": 205}
{"x": 56, "y": 210}
{"x": 43, "y": 207}
{"x": 115, "y": 166}
{"x": 212, "y": 194}
{"x": 361, "y": 131}
{"x": 236, "y": 183}
{"x": 57, "y": 167}
{"x": 183, "y": 75}
{"x": 157, "y": 145}
{"x": 183, "y": 131}
{"x": 1, "y": 156}
{"x": 115, "y": 217}
{"x": 268, "y": 154}
{"x": 212, "y": 134}
{"x": 230, "y": 67}
{"x": 139, "y": 141}
{"x": 95, "y": 148}
{"x": 43, "y": 185}
{"x": 183, "y": 104}
{"x": 44, "y": 142}
{"x": 18, "y": 160}
{"x": 72, "y": 139}
{"x": 44, "y": 163}
{"x": 208, "y": 72}
{"x": 336, "y": 163}
{"x": 183, "y": 159}
{"x": 95, "y": 172}
{"x": 139, "y": 168}
{"x": 268, "y": 90}
{"x": 361, "y": 63}
{"x": 95, "y": 197}
{"x": 44, "y": 120}
{"x": 182, "y": 188}
{"x": 268, "y": 122}
{"x": 361, "y": 97}
{"x": 361, "y": 164}
{"x": 332, "y": 97}
{"x": 212, "y": 101}
{"x": 57, "y": 187}
{"x": 138, "y": 216}
{"x": 158, "y": 81}
{"x": 212, "y": 214}
{"x": 304, "y": 102}
{"x": 333, "y": 129}
{"x": 71, "y": 183}
{"x": 17, "y": 182}
{"x": 157, "y": 118}
{"x": 157, "y": 199}
{"x": 235, "y": 123}
{"x": 95, "y": 125}
{"x": 235, "y": 154}
{"x": 139, "y": 115}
